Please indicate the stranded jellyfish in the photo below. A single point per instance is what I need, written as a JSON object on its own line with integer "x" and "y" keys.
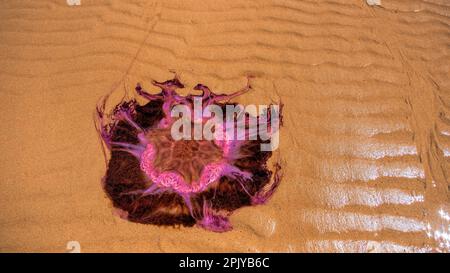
{"x": 152, "y": 178}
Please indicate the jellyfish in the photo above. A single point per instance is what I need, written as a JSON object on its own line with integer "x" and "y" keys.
{"x": 151, "y": 178}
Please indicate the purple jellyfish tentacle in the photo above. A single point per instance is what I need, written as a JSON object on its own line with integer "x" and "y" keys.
{"x": 264, "y": 195}
{"x": 135, "y": 150}
{"x": 234, "y": 172}
{"x": 228, "y": 97}
{"x": 125, "y": 113}
{"x": 169, "y": 85}
{"x": 101, "y": 125}
{"x": 134, "y": 153}
{"x": 212, "y": 220}
{"x": 207, "y": 95}
{"x": 153, "y": 189}
{"x": 170, "y": 98}
{"x": 188, "y": 202}
{"x": 141, "y": 92}
{"x": 241, "y": 181}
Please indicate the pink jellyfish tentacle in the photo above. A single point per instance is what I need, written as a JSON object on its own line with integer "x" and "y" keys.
{"x": 210, "y": 97}
{"x": 135, "y": 150}
{"x": 207, "y": 95}
{"x": 141, "y": 92}
{"x": 168, "y": 86}
{"x": 213, "y": 220}
{"x": 264, "y": 195}
{"x": 230, "y": 147}
{"x": 125, "y": 112}
{"x": 170, "y": 98}
{"x": 187, "y": 200}
{"x": 103, "y": 130}
{"x": 228, "y": 97}
{"x": 234, "y": 172}
{"x": 101, "y": 122}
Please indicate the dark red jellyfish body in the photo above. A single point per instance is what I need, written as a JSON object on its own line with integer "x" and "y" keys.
{"x": 153, "y": 179}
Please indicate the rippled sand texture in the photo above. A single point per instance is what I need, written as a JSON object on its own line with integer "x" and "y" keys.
{"x": 366, "y": 142}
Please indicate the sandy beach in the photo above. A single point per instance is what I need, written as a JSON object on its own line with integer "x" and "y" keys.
{"x": 365, "y": 145}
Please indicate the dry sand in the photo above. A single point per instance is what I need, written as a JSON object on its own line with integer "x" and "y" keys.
{"x": 366, "y": 141}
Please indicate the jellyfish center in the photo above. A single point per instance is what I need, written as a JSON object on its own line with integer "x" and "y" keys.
{"x": 185, "y": 157}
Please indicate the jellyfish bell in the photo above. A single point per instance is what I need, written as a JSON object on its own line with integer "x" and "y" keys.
{"x": 171, "y": 162}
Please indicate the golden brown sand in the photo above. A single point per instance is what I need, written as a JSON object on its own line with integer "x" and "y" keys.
{"x": 365, "y": 146}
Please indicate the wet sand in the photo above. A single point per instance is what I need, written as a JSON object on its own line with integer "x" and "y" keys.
{"x": 365, "y": 143}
